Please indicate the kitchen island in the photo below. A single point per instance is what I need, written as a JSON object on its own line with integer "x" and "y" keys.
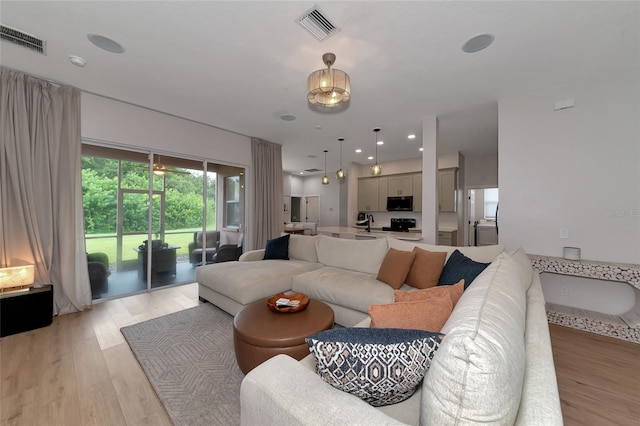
{"x": 361, "y": 234}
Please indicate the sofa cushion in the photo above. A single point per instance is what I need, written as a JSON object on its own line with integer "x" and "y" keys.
{"x": 380, "y": 366}
{"x": 277, "y": 248}
{"x": 303, "y": 247}
{"x": 426, "y": 314}
{"x": 354, "y": 255}
{"x": 454, "y": 292}
{"x": 426, "y": 268}
{"x": 478, "y": 373}
{"x": 353, "y": 290}
{"x": 479, "y": 254}
{"x": 246, "y": 282}
{"x": 395, "y": 267}
{"x": 460, "y": 267}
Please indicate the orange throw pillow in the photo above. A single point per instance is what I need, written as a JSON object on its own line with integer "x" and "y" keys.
{"x": 428, "y": 315}
{"x": 426, "y": 268}
{"x": 454, "y": 291}
{"x": 395, "y": 267}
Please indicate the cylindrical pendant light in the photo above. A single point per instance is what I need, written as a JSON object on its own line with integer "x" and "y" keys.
{"x": 376, "y": 169}
{"x": 341, "y": 174}
{"x": 325, "y": 178}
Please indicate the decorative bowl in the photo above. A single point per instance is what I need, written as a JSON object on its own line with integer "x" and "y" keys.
{"x": 304, "y": 301}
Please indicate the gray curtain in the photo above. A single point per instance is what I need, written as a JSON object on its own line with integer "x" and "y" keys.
{"x": 40, "y": 186}
{"x": 268, "y": 216}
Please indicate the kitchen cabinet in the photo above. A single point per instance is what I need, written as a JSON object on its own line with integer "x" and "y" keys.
{"x": 400, "y": 186}
{"x": 368, "y": 194}
{"x": 447, "y": 238}
{"x": 383, "y": 193}
{"x": 447, "y": 190}
{"x": 417, "y": 192}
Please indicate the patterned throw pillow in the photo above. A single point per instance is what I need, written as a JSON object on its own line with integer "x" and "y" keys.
{"x": 381, "y": 366}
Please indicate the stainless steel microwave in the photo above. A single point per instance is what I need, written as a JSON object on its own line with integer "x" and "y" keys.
{"x": 399, "y": 204}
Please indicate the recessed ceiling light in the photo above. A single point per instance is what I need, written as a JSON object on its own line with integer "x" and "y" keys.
{"x": 358, "y": 150}
{"x": 380, "y": 142}
{"x": 105, "y": 43}
{"x": 77, "y": 61}
{"x": 312, "y": 156}
{"x": 370, "y": 157}
{"x": 287, "y": 117}
{"x": 319, "y": 126}
{"x": 411, "y": 136}
{"x": 301, "y": 173}
{"x": 478, "y": 43}
{"x": 421, "y": 149}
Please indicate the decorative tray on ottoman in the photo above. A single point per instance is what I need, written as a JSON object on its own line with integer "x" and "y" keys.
{"x": 288, "y": 303}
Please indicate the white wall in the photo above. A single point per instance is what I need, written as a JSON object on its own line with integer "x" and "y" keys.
{"x": 481, "y": 171}
{"x": 577, "y": 168}
{"x": 121, "y": 123}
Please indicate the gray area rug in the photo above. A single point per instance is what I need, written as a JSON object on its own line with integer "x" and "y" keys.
{"x": 189, "y": 359}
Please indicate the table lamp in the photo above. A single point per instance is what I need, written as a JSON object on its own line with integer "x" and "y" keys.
{"x": 16, "y": 278}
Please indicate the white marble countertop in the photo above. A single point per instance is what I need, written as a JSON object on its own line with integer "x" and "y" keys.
{"x": 375, "y": 233}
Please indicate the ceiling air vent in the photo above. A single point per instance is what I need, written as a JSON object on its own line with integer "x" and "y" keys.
{"x": 317, "y": 24}
{"x": 23, "y": 39}
{"x": 312, "y": 170}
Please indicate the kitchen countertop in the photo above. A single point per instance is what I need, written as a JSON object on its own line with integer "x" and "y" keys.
{"x": 447, "y": 228}
{"x": 375, "y": 233}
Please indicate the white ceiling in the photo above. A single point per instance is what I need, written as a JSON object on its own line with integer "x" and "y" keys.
{"x": 241, "y": 65}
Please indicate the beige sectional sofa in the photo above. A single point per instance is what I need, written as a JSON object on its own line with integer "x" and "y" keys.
{"x": 494, "y": 365}
{"x": 340, "y": 272}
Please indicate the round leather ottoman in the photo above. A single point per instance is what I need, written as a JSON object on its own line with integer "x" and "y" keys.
{"x": 259, "y": 333}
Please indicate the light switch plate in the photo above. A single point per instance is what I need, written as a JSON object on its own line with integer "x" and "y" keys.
{"x": 564, "y": 233}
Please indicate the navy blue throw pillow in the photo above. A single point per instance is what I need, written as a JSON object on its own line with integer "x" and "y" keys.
{"x": 277, "y": 248}
{"x": 460, "y": 267}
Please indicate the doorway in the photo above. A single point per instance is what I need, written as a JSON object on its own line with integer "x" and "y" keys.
{"x": 313, "y": 209}
{"x": 482, "y": 216}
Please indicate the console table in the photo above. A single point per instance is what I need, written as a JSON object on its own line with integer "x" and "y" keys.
{"x": 625, "y": 326}
{"x": 26, "y": 310}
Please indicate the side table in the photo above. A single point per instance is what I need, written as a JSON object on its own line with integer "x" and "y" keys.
{"x": 26, "y": 310}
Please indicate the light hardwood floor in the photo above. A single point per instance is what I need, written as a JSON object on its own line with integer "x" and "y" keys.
{"x": 80, "y": 370}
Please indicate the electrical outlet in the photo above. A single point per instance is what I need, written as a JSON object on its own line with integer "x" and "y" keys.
{"x": 564, "y": 233}
{"x": 564, "y": 291}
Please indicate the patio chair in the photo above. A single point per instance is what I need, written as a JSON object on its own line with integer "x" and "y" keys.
{"x": 229, "y": 252}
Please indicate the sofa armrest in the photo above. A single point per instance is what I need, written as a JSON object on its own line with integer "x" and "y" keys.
{"x": 252, "y": 255}
{"x": 540, "y": 403}
{"x": 282, "y": 391}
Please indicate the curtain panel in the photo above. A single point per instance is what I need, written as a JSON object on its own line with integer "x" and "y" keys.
{"x": 268, "y": 217}
{"x": 40, "y": 186}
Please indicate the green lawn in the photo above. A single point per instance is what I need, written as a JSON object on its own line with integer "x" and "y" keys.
{"x": 106, "y": 243}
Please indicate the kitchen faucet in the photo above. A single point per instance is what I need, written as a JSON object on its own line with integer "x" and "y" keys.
{"x": 369, "y": 220}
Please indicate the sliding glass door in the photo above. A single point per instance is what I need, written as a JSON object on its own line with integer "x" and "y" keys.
{"x": 151, "y": 219}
